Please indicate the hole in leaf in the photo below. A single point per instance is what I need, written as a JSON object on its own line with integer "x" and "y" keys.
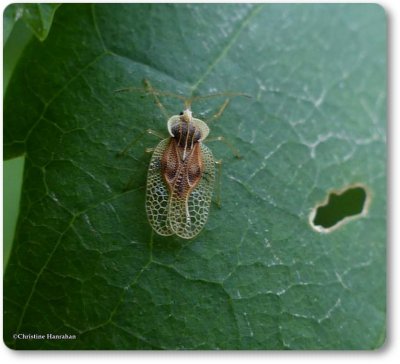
{"x": 340, "y": 207}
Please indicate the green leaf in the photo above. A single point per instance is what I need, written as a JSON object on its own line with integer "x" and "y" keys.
{"x": 9, "y": 19}
{"x": 38, "y": 17}
{"x": 12, "y": 181}
{"x": 85, "y": 261}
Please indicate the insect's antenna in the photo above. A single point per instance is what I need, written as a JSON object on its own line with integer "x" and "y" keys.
{"x": 151, "y": 92}
{"x": 149, "y": 89}
{"x": 218, "y": 94}
{"x": 130, "y": 89}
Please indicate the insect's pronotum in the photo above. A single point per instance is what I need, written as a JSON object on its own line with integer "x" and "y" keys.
{"x": 181, "y": 173}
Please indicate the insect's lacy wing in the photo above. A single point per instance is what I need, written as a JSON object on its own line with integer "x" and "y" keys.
{"x": 187, "y": 216}
{"x": 157, "y": 194}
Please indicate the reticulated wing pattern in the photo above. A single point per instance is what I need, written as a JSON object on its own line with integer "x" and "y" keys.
{"x": 157, "y": 194}
{"x": 187, "y": 216}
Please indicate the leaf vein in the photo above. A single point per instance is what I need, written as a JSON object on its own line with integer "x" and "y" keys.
{"x": 228, "y": 46}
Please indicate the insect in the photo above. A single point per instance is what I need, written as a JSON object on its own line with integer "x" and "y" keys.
{"x": 181, "y": 173}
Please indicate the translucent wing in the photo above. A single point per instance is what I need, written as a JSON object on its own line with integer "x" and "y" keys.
{"x": 187, "y": 215}
{"x": 157, "y": 194}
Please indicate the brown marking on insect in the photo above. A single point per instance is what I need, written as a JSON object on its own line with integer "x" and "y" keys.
{"x": 182, "y": 163}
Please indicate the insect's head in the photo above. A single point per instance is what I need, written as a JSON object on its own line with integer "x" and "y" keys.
{"x": 186, "y": 115}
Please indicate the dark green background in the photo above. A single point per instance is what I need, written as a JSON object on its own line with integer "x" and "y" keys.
{"x": 85, "y": 261}
{"x": 12, "y": 169}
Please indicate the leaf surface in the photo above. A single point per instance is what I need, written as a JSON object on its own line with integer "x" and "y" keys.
{"x": 38, "y": 18}
{"x": 85, "y": 261}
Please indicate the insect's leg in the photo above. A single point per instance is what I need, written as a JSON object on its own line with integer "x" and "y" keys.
{"x": 218, "y": 189}
{"x": 154, "y": 93}
{"x": 155, "y": 133}
{"x": 234, "y": 151}
{"x": 150, "y": 89}
{"x": 149, "y": 150}
{"x": 140, "y": 136}
{"x": 218, "y": 114}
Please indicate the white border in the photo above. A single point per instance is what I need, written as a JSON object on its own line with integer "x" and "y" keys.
{"x": 390, "y": 352}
